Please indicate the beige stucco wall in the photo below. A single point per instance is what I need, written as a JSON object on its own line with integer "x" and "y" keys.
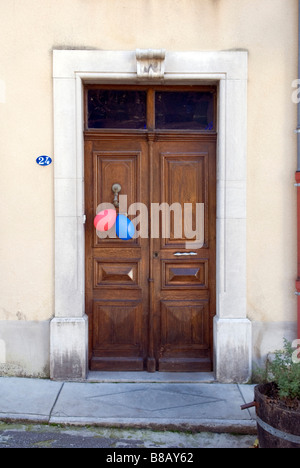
{"x": 31, "y": 29}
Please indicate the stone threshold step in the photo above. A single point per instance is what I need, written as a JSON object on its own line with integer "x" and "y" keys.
{"x": 149, "y": 377}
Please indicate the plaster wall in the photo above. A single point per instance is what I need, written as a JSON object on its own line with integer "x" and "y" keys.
{"x": 30, "y": 30}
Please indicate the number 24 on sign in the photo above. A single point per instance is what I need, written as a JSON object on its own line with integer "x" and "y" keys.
{"x": 43, "y": 160}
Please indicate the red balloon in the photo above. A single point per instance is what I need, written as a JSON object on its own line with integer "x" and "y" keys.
{"x": 105, "y": 220}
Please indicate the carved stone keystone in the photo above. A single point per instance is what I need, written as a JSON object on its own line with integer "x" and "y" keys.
{"x": 150, "y": 64}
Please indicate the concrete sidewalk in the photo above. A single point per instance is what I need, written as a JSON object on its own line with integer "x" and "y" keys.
{"x": 138, "y": 400}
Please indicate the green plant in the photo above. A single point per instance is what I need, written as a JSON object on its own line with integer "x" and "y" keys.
{"x": 284, "y": 371}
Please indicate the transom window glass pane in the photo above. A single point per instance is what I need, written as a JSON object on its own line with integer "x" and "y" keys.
{"x": 116, "y": 109}
{"x": 184, "y": 110}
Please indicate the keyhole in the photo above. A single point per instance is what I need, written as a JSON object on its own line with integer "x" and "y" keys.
{"x": 155, "y": 255}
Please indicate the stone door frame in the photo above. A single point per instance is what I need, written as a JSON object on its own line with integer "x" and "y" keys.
{"x": 229, "y": 71}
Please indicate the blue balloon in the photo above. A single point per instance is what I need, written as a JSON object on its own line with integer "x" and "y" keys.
{"x": 124, "y": 227}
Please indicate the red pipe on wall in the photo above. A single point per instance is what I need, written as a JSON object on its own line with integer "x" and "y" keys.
{"x": 297, "y": 176}
{"x": 297, "y": 184}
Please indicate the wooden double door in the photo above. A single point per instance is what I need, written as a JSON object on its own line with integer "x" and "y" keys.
{"x": 151, "y": 299}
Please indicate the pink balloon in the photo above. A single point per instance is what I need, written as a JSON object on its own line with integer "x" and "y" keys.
{"x": 105, "y": 220}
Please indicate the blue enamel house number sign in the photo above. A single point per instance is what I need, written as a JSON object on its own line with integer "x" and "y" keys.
{"x": 43, "y": 160}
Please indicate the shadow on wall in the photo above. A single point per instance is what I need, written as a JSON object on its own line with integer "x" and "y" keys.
{"x": 2, "y": 352}
{"x": 25, "y": 348}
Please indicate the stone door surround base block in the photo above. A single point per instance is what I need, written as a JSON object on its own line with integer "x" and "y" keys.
{"x": 68, "y": 348}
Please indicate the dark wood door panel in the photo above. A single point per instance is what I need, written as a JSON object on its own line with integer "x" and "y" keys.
{"x": 116, "y": 270}
{"x": 184, "y": 270}
{"x": 117, "y": 273}
{"x": 185, "y": 274}
{"x": 184, "y": 326}
{"x": 149, "y": 306}
{"x": 183, "y": 185}
{"x": 118, "y": 341}
{"x": 184, "y": 336}
{"x": 110, "y": 167}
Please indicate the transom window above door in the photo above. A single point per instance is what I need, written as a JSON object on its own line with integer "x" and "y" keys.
{"x": 145, "y": 108}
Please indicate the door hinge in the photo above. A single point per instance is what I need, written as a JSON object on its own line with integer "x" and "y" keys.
{"x": 84, "y": 219}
